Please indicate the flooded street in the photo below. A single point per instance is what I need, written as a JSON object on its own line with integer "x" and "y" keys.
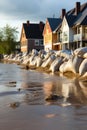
{"x": 31, "y": 100}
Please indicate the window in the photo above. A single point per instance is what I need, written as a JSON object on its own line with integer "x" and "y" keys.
{"x": 85, "y": 32}
{"x": 36, "y": 42}
{"x": 41, "y": 42}
{"x": 60, "y": 36}
{"x": 65, "y": 36}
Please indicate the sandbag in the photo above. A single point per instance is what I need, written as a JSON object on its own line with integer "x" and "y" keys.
{"x": 38, "y": 61}
{"x": 32, "y": 60}
{"x": 80, "y": 51}
{"x": 50, "y": 53}
{"x": 72, "y": 64}
{"x": 83, "y": 67}
{"x": 25, "y": 61}
{"x": 41, "y": 52}
{"x": 84, "y": 76}
{"x": 33, "y": 63}
{"x": 76, "y": 61}
{"x": 46, "y": 56}
{"x": 56, "y": 64}
{"x": 83, "y": 86}
{"x": 34, "y": 52}
{"x": 48, "y": 61}
{"x": 66, "y": 54}
{"x": 58, "y": 53}
{"x": 62, "y": 67}
{"x": 67, "y": 67}
{"x": 85, "y": 55}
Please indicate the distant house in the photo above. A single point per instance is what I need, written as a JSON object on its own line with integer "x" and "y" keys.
{"x": 31, "y": 36}
{"x": 74, "y": 27}
{"x": 49, "y": 34}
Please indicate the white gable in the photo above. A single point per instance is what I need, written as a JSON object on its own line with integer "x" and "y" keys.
{"x": 67, "y": 32}
{"x": 64, "y": 23}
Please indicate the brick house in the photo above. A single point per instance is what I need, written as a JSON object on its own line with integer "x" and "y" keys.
{"x": 31, "y": 36}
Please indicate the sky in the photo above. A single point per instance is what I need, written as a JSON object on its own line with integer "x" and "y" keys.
{"x": 16, "y": 12}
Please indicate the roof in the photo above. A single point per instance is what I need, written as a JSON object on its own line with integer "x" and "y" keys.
{"x": 84, "y": 22}
{"x": 70, "y": 19}
{"x": 54, "y": 22}
{"x": 81, "y": 18}
{"x": 33, "y": 30}
{"x": 82, "y": 8}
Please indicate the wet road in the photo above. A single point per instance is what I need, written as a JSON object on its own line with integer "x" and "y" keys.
{"x": 23, "y": 104}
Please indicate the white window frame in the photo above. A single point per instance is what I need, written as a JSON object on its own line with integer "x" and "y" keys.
{"x": 36, "y": 42}
{"x": 41, "y": 42}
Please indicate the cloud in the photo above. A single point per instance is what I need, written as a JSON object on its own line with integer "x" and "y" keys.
{"x": 33, "y": 9}
{"x": 15, "y": 12}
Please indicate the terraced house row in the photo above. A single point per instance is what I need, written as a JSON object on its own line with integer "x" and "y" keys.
{"x": 69, "y": 31}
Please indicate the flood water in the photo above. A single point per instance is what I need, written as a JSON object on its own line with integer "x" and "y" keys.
{"x": 25, "y": 104}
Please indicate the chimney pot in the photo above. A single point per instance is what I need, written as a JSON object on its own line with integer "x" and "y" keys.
{"x": 77, "y": 10}
{"x": 41, "y": 25}
{"x": 63, "y": 13}
{"x": 28, "y": 22}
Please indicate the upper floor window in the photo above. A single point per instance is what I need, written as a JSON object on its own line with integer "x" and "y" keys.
{"x": 41, "y": 42}
{"x": 36, "y": 42}
{"x": 86, "y": 30}
{"x": 65, "y": 36}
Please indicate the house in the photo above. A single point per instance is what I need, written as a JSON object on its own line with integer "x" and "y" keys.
{"x": 80, "y": 27}
{"x": 68, "y": 31}
{"x": 49, "y": 34}
{"x": 31, "y": 36}
{"x": 74, "y": 27}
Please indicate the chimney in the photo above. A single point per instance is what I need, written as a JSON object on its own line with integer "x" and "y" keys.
{"x": 41, "y": 26}
{"x": 77, "y": 9}
{"x": 63, "y": 13}
{"x": 28, "y": 22}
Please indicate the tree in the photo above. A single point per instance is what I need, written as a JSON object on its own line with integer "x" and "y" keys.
{"x": 8, "y": 39}
{"x": 1, "y": 36}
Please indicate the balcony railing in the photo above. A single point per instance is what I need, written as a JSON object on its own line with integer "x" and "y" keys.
{"x": 77, "y": 37}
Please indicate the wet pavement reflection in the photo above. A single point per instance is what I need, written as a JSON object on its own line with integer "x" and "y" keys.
{"x": 50, "y": 101}
{"x": 33, "y": 87}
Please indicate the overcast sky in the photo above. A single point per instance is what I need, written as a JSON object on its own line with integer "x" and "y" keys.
{"x": 15, "y": 12}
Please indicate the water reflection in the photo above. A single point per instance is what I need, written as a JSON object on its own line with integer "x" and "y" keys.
{"x": 74, "y": 93}
{"x": 32, "y": 87}
{"x": 33, "y": 93}
{"x": 26, "y": 102}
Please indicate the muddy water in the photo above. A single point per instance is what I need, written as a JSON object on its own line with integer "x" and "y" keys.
{"x": 23, "y": 104}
